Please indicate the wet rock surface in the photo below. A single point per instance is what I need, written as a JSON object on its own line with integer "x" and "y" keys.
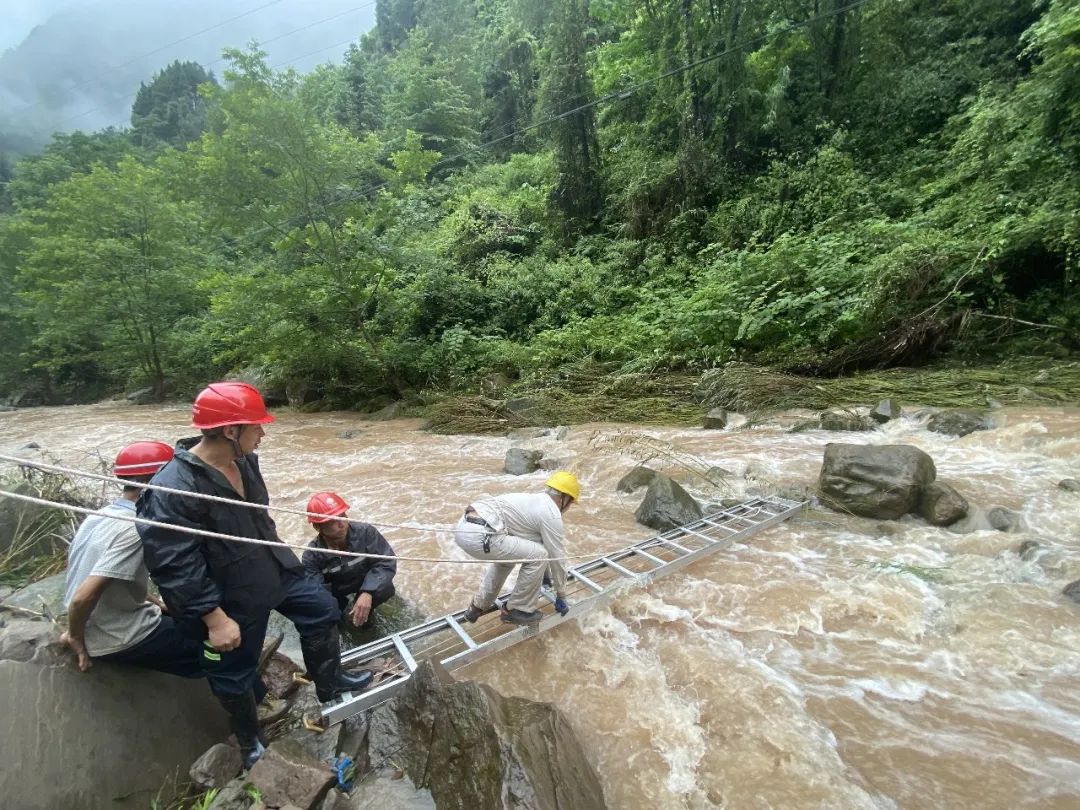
{"x": 878, "y": 481}
{"x": 941, "y": 505}
{"x": 667, "y": 505}
{"x": 1004, "y": 520}
{"x": 841, "y": 421}
{"x": 1069, "y": 485}
{"x": 45, "y": 596}
{"x": 1072, "y": 591}
{"x": 886, "y": 411}
{"x": 107, "y": 738}
{"x": 218, "y": 766}
{"x": 520, "y": 461}
{"x": 637, "y": 478}
{"x": 716, "y": 419}
{"x": 473, "y": 748}
{"x": 287, "y": 774}
{"x": 958, "y": 422}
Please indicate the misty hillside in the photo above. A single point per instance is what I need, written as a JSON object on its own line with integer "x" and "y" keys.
{"x": 80, "y": 67}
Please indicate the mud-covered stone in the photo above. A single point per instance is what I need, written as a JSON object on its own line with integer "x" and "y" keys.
{"x": 287, "y": 774}
{"x": 278, "y": 675}
{"x": 473, "y": 748}
{"x": 218, "y": 766}
{"x": 667, "y": 505}
{"x": 881, "y": 481}
{"x": 941, "y": 505}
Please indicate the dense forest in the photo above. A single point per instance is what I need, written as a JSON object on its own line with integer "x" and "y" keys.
{"x": 504, "y": 187}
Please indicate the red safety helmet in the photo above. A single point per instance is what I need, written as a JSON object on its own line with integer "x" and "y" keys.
{"x": 328, "y": 504}
{"x": 229, "y": 403}
{"x": 142, "y": 458}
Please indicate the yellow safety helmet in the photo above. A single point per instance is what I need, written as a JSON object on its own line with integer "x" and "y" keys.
{"x": 565, "y": 483}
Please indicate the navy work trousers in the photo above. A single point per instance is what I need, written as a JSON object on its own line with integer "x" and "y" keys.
{"x": 307, "y": 604}
{"x": 166, "y": 649}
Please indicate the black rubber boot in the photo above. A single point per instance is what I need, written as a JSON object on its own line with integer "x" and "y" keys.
{"x": 516, "y": 616}
{"x": 322, "y": 656}
{"x": 244, "y": 721}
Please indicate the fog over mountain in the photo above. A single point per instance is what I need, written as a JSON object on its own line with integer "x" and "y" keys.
{"x": 77, "y": 64}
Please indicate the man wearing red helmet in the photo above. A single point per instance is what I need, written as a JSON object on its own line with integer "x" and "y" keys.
{"x": 223, "y": 591}
{"x": 370, "y": 580}
{"x": 110, "y": 616}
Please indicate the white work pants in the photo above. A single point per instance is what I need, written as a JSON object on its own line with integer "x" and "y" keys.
{"x": 470, "y": 539}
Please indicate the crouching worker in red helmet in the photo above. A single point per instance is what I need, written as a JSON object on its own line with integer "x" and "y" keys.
{"x": 222, "y": 591}
{"x": 110, "y": 614}
{"x": 371, "y": 581}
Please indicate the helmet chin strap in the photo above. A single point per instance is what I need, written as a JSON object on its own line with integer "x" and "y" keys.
{"x": 237, "y": 451}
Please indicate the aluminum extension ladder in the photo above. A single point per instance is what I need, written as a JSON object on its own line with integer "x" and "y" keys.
{"x": 589, "y": 585}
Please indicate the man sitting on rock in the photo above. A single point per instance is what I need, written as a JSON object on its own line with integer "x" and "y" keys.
{"x": 110, "y": 614}
{"x": 513, "y": 527}
{"x": 370, "y": 581}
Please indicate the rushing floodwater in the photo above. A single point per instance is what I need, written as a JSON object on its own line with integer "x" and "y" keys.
{"x": 832, "y": 662}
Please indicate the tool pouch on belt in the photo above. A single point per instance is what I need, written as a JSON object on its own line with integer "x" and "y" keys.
{"x": 479, "y": 521}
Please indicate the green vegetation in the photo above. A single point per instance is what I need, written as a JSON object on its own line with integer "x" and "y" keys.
{"x": 538, "y": 192}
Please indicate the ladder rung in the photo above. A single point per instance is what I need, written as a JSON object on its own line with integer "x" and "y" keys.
{"x": 676, "y": 546}
{"x": 716, "y": 525}
{"x": 584, "y": 580}
{"x": 700, "y": 536}
{"x": 457, "y": 628}
{"x": 403, "y": 651}
{"x": 649, "y": 556}
{"x": 626, "y": 572}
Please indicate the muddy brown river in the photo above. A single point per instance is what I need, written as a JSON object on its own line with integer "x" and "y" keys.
{"x": 830, "y": 662}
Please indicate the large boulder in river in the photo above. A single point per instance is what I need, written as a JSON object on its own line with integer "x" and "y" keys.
{"x": 637, "y": 478}
{"x": 881, "y": 481}
{"x": 716, "y": 419}
{"x": 109, "y": 738}
{"x": 941, "y": 505}
{"x": 520, "y": 461}
{"x": 473, "y": 748}
{"x": 667, "y": 505}
{"x": 846, "y": 421}
{"x": 958, "y": 422}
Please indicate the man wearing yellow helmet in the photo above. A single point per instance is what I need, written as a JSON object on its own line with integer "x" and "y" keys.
{"x": 519, "y": 526}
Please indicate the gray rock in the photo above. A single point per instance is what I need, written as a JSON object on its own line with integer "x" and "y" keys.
{"x": 106, "y": 739}
{"x": 350, "y": 434}
{"x": 846, "y": 421}
{"x": 561, "y": 432}
{"x": 386, "y": 789}
{"x": 666, "y": 505}
{"x": 804, "y": 425}
{"x": 290, "y": 644}
{"x": 552, "y": 464}
{"x": 44, "y": 596}
{"x": 520, "y": 461}
{"x": 941, "y": 505}
{"x": 1069, "y": 485}
{"x": 218, "y": 765}
{"x": 525, "y": 433}
{"x": 716, "y": 475}
{"x": 1028, "y": 550}
{"x": 392, "y": 411}
{"x": 958, "y": 422}
{"x": 287, "y": 774}
{"x": 1004, "y": 520}
{"x": 716, "y": 419}
{"x": 879, "y": 481}
{"x": 320, "y": 746}
{"x": 473, "y": 748}
{"x": 1072, "y": 590}
{"x": 886, "y": 411}
{"x": 144, "y": 396}
{"x": 638, "y": 477}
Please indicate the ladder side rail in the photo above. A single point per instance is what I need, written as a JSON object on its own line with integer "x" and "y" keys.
{"x": 403, "y": 651}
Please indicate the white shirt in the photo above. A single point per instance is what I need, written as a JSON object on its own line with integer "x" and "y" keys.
{"x": 533, "y": 516}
